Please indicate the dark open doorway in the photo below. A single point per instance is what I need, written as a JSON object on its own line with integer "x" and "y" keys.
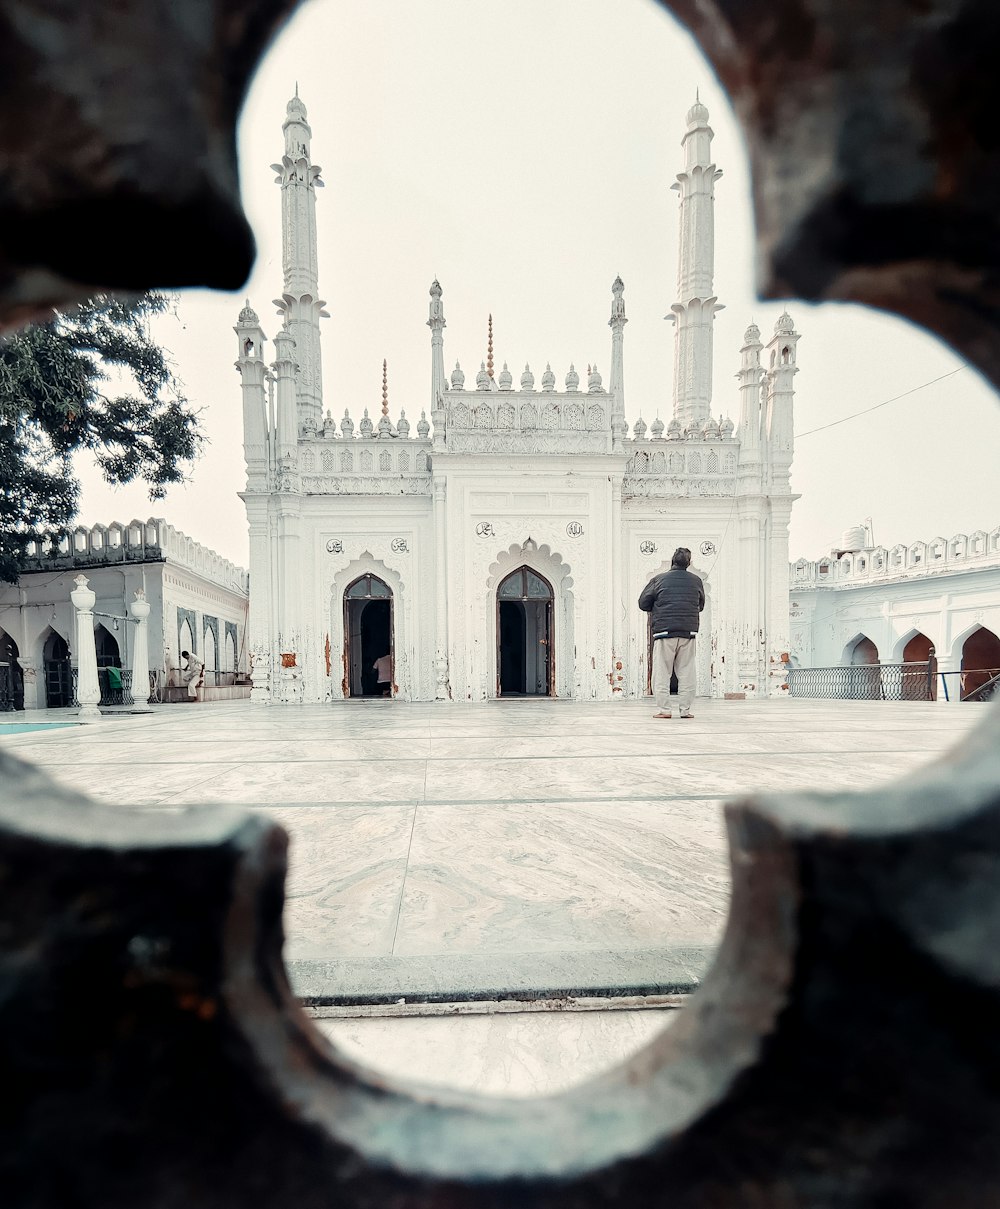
{"x": 524, "y": 635}
{"x": 58, "y": 675}
{"x": 980, "y": 660}
{"x": 11, "y": 676}
{"x": 369, "y": 669}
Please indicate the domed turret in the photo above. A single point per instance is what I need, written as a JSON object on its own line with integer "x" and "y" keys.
{"x": 572, "y": 378}
{"x": 752, "y": 334}
{"x": 697, "y": 115}
{"x": 366, "y": 427}
{"x": 639, "y": 429}
{"x": 505, "y": 380}
{"x": 726, "y": 429}
{"x": 423, "y": 428}
{"x": 384, "y": 427}
{"x": 656, "y": 429}
{"x": 595, "y": 383}
{"x": 347, "y": 425}
{"x": 248, "y": 314}
{"x": 692, "y": 430}
{"x": 784, "y": 325}
{"x": 403, "y": 427}
{"x": 548, "y": 378}
{"x": 329, "y": 426}
{"x": 457, "y": 377}
{"x": 674, "y": 429}
{"x": 711, "y": 429}
{"x": 527, "y": 378}
{"x": 295, "y": 109}
{"x": 482, "y": 378}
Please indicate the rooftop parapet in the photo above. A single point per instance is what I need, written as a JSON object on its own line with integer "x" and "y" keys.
{"x": 939, "y": 556}
{"x": 135, "y": 541}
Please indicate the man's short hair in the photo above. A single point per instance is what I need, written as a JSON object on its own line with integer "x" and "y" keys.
{"x": 681, "y": 558}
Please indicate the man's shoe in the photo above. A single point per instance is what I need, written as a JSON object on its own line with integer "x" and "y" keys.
{"x": 687, "y": 714}
{"x": 662, "y": 715}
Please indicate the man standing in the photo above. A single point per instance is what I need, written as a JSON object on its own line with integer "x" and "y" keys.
{"x": 676, "y": 600}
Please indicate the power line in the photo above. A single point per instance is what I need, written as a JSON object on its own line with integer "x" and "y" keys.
{"x": 884, "y": 403}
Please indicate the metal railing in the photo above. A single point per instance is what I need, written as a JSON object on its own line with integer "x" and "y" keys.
{"x": 965, "y": 685}
{"x": 8, "y": 688}
{"x": 987, "y": 691}
{"x": 110, "y": 694}
{"x": 865, "y": 682}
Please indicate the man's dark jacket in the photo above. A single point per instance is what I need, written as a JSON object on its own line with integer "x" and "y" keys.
{"x": 675, "y": 598}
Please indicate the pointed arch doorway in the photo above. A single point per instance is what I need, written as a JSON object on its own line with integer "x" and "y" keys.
{"x": 58, "y": 674}
{"x": 525, "y": 646}
{"x": 369, "y": 640}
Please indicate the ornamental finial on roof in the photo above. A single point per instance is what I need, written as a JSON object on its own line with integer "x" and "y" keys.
{"x": 618, "y": 303}
{"x": 385, "y": 388}
{"x": 489, "y": 347}
{"x": 697, "y": 115}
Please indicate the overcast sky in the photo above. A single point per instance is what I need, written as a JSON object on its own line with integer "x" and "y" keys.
{"x": 523, "y": 154}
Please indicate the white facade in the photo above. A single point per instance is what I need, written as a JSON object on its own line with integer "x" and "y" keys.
{"x": 505, "y": 475}
{"x": 947, "y": 590}
{"x": 198, "y": 602}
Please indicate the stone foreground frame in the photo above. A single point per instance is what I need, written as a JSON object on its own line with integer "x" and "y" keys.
{"x": 844, "y": 1049}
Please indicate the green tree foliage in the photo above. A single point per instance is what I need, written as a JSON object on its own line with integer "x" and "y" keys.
{"x": 58, "y": 394}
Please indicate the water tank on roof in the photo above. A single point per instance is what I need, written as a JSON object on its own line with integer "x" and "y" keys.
{"x": 853, "y": 539}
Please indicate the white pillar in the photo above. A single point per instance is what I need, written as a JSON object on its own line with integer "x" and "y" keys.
{"x": 618, "y": 595}
{"x": 442, "y": 691}
{"x": 88, "y": 688}
{"x": 139, "y": 608}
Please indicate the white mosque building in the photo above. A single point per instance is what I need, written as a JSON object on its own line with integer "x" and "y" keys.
{"x": 498, "y": 546}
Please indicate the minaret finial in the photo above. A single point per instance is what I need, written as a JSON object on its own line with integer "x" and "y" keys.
{"x": 385, "y": 388}
{"x": 296, "y": 88}
{"x": 489, "y": 347}
{"x": 697, "y": 98}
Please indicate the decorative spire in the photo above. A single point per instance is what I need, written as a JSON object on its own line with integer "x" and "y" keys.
{"x": 385, "y": 389}
{"x": 617, "y": 323}
{"x": 489, "y": 347}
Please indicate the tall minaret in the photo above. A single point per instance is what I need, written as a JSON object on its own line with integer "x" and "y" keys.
{"x": 694, "y": 311}
{"x": 300, "y": 304}
{"x": 749, "y": 378}
{"x": 253, "y": 373}
{"x": 436, "y": 322}
{"x": 619, "y": 427}
{"x": 778, "y": 417}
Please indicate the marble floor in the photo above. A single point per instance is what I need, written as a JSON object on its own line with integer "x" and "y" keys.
{"x": 514, "y": 848}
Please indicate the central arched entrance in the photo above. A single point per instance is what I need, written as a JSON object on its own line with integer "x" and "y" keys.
{"x": 525, "y": 647}
{"x": 369, "y": 660}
